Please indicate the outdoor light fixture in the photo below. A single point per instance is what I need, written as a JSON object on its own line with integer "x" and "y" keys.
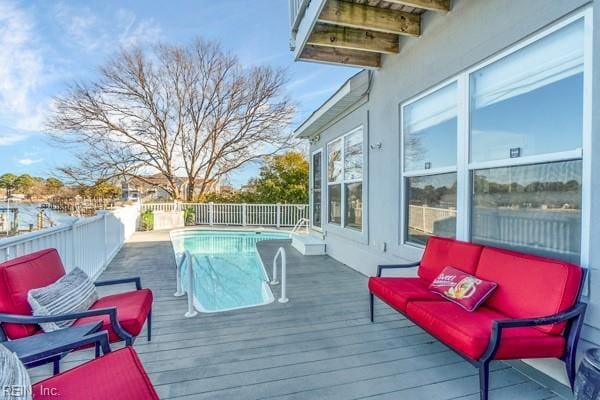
{"x": 376, "y": 146}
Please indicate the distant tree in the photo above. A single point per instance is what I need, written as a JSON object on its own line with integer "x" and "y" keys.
{"x": 192, "y": 108}
{"x": 9, "y": 183}
{"x": 53, "y": 186}
{"x": 283, "y": 179}
{"x": 24, "y": 184}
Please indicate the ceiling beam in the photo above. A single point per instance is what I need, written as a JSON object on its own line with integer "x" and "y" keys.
{"x": 354, "y": 39}
{"x": 341, "y": 56}
{"x": 433, "y": 5}
{"x": 360, "y": 16}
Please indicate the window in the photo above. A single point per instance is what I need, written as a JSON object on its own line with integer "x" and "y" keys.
{"x": 430, "y": 128}
{"x": 532, "y": 208}
{"x": 316, "y": 188}
{"x": 344, "y": 180}
{"x": 516, "y": 179}
{"x": 530, "y": 103}
{"x": 431, "y": 207}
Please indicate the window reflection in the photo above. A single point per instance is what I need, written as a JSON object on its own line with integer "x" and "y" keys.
{"x": 431, "y": 207}
{"x": 335, "y": 204}
{"x": 354, "y": 205}
{"x": 532, "y": 208}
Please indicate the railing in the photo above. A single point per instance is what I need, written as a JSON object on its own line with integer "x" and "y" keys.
{"x": 88, "y": 243}
{"x": 297, "y": 9}
{"x": 424, "y": 218}
{"x": 303, "y": 222}
{"x": 188, "y": 258}
{"x": 280, "y": 253}
{"x": 278, "y": 215}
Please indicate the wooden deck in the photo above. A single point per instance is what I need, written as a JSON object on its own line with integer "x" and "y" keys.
{"x": 320, "y": 345}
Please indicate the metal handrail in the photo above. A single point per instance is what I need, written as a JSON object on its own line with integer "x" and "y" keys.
{"x": 274, "y": 281}
{"x": 187, "y": 256}
{"x": 299, "y": 224}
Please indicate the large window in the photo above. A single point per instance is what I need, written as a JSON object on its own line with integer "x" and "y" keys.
{"x": 316, "y": 188}
{"x": 430, "y": 134}
{"x": 530, "y": 103}
{"x": 516, "y": 179}
{"x": 344, "y": 180}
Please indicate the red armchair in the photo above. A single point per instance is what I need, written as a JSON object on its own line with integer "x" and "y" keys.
{"x": 535, "y": 312}
{"x": 118, "y": 375}
{"x": 122, "y": 315}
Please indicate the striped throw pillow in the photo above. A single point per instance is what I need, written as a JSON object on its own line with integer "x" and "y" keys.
{"x": 14, "y": 379}
{"x": 74, "y": 292}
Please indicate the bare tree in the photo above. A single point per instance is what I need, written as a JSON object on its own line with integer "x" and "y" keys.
{"x": 192, "y": 111}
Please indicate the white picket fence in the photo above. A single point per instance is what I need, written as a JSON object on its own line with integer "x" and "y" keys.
{"x": 278, "y": 215}
{"x": 88, "y": 243}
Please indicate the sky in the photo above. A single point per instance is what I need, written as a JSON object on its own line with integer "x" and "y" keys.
{"x": 47, "y": 45}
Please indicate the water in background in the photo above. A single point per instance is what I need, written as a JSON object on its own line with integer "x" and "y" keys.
{"x": 28, "y": 215}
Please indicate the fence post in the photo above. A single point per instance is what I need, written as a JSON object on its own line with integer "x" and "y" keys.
{"x": 244, "y": 214}
{"x": 278, "y": 215}
{"x": 211, "y": 210}
{"x": 105, "y": 240}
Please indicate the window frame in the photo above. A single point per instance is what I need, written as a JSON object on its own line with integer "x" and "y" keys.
{"x": 343, "y": 181}
{"x": 312, "y": 189}
{"x": 464, "y": 167}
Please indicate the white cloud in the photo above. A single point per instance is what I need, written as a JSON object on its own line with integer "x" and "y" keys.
{"x": 29, "y": 161}
{"x": 8, "y": 139}
{"x": 22, "y": 69}
{"x": 88, "y": 31}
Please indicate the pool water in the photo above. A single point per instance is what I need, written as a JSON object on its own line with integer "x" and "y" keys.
{"x": 228, "y": 273}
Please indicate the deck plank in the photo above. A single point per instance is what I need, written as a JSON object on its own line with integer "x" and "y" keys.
{"x": 319, "y": 345}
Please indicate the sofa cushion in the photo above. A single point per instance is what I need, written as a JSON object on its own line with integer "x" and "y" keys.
{"x": 17, "y": 277}
{"x": 528, "y": 285}
{"x": 74, "y": 292}
{"x": 441, "y": 252}
{"x": 132, "y": 310}
{"x": 397, "y": 292}
{"x": 118, "y": 375}
{"x": 470, "y": 332}
{"x": 461, "y": 288}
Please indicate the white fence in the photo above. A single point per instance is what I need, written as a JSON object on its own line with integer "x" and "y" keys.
{"x": 424, "y": 218}
{"x": 279, "y": 215}
{"x": 88, "y": 243}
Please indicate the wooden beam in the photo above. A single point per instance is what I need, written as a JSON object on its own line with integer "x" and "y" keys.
{"x": 433, "y": 5}
{"x": 354, "y": 39}
{"x": 360, "y": 16}
{"x": 334, "y": 55}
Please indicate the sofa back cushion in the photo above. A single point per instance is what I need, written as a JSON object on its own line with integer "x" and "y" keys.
{"x": 442, "y": 252}
{"x": 529, "y": 286}
{"x": 17, "y": 277}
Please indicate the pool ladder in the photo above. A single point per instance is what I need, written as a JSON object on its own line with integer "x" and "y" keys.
{"x": 274, "y": 281}
{"x": 189, "y": 258}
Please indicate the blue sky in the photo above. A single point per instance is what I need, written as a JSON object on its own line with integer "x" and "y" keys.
{"x": 46, "y": 45}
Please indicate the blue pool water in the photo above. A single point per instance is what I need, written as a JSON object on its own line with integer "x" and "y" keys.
{"x": 227, "y": 271}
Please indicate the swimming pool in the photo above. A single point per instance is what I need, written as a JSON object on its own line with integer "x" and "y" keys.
{"x": 228, "y": 273}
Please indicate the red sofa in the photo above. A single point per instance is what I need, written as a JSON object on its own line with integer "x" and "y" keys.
{"x": 118, "y": 375}
{"x": 123, "y": 315}
{"x": 535, "y": 312}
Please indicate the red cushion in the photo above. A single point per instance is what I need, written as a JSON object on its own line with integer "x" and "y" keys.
{"x": 132, "y": 310}
{"x": 442, "y": 252}
{"x": 469, "y": 332}
{"x": 119, "y": 375}
{"x": 528, "y": 285}
{"x": 397, "y": 292}
{"x": 461, "y": 288}
{"x": 17, "y": 277}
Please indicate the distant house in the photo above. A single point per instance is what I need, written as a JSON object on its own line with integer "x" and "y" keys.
{"x": 471, "y": 119}
{"x": 151, "y": 188}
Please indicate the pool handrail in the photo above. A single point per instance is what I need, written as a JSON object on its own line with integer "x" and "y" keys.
{"x": 186, "y": 256}
{"x": 274, "y": 281}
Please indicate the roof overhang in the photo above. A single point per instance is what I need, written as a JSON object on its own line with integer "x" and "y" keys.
{"x": 350, "y": 93}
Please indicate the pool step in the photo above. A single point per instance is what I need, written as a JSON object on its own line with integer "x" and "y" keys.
{"x": 308, "y": 244}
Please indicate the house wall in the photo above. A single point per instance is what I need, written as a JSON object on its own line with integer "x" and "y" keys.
{"x": 471, "y": 32}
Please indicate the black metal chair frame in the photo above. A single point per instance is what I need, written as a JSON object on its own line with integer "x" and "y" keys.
{"x": 110, "y": 311}
{"x": 573, "y": 317}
